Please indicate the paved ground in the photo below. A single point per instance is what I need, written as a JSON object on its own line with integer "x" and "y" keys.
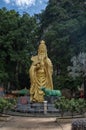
{"x": 33, "y": 123}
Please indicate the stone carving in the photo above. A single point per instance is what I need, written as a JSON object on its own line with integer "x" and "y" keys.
{"x": 49, "y": 92}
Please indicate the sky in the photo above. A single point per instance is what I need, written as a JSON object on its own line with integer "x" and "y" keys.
{"x": 30, "y": 6}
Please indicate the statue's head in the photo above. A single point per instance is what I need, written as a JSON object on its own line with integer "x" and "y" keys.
{"x": 42, "y": 49}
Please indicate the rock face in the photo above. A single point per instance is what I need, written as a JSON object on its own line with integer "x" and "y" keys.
{"x": 79, "y": 124}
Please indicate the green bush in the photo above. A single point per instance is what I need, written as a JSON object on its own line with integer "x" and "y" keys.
{"x": 62, "y": 105}
{"x": 81, "y": 108}
{"x": 71, "y": 105}
{"x": 6, "y": 104}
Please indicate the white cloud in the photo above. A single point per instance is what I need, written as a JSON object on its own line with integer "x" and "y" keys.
{"x": 40, "y": 1}
{"x": 25, "y": 2}
{"x": 21, "y": 3}
{"x": 7, "y": 1}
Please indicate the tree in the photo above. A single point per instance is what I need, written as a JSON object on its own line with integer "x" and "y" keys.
{"x": 18, "y": 38}
{"x": 62, "y": 104}
{"x": 63, "y": 26}
{"x": 78, "y": 68}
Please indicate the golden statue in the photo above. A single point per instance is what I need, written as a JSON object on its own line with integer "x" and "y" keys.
{"x": 40, "y": 73}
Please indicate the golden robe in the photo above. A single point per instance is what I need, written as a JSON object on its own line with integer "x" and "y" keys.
{"x": 40, "y": 75}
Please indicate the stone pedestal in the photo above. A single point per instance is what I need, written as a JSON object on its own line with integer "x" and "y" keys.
{"x": 45, "y": 107}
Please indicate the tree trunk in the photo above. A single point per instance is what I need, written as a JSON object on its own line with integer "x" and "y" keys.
{"x": 16, "y": 75}
{"x": 84, "y": 87}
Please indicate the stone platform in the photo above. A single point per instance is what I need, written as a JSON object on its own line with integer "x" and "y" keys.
{"x": 24, "y": 105}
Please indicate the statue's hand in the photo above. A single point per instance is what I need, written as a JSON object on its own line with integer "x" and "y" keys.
{"x": 38, "y": 65}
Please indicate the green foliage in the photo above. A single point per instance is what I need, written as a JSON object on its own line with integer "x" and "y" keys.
{"x": 6, "y": 104}
{"x": 81, "y": 108}
{"x": 63, "y": 26}
{"x": 58, "y": 82}
{"x": 78, "y": 67}
{"x": 18, "y": 35}
{"x": 71, "y": 105}
{"x": 62, "y": 105}
{"x": 77, "y": 105}
{"x": 61, "y": 82}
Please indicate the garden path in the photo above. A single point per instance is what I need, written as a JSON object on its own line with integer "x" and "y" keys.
{"x": 33, "y": 123}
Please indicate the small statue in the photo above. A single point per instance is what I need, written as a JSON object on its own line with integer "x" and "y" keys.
{"x": 49, "y": 92}
{"x": 40, "y": 73}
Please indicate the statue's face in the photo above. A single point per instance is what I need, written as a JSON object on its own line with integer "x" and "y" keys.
{"x": 42, "y": 50}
